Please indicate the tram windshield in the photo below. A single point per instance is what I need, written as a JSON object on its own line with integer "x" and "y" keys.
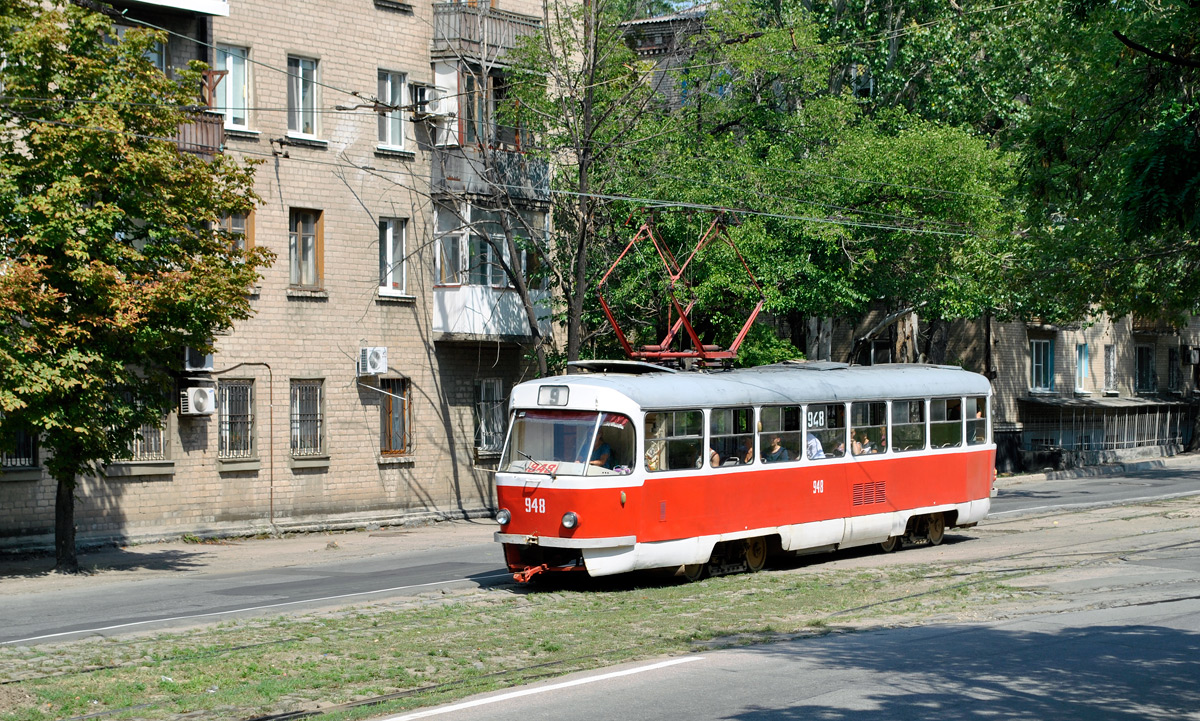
{"x": 569, "y": 443}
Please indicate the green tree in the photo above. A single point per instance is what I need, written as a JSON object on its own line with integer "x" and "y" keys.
{"x": 1111, "y": 165}
{"x": 113, "y": 258}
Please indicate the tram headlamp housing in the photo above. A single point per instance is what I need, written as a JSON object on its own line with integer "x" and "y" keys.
{"x": 570, "y": 520}
{"x": 503, "y": 516}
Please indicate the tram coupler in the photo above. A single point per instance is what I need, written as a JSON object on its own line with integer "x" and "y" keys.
{"x": 530, "y": 571}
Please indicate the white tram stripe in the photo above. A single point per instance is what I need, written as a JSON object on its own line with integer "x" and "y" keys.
{"x": 540, "y": 689}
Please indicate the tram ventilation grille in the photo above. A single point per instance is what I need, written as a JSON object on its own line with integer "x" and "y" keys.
{"x": 873, "y": 492}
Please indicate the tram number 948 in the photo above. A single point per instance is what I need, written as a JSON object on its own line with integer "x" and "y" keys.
{"x": 535, "y": 505}
{"x": 819, "y": 486}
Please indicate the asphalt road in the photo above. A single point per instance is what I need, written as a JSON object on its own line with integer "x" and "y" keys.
{"x": 187, "y": 596}
{"x": 1120, "y": 664}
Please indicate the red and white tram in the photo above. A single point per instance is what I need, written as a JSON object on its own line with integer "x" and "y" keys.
{"x": 634, "y": 466}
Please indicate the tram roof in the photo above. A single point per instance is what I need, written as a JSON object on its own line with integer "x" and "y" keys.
{"x": 783, "y": 383}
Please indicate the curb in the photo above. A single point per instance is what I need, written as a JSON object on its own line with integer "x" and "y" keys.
{"x": 1102, "y": 471}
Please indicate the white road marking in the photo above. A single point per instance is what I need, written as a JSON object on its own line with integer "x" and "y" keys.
{"x": 241, "y": 610}
{"x": 540, "y": 689}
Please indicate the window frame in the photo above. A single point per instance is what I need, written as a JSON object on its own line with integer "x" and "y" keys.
{"x": 392, "y": 90}
{"x": 296, "y": 255}
{"x": 27, "y": 448}
{"x": 318, "y": 418}
{"x": 226, "y": 88}
{"x": 388, "y": 415}
{"x": 1144, "y": 368}
{"x": 249, "y": 449}
{"x": 1082, "y": 361}
{"x": 1041, "y": 369}
{"x": 246, "y": 241}
{"x": 881, "y": 445}
{"x": 737, "y": 417}
{"x": 1110, "y": 368}
{"x": 948, "y": 406}
{"x": 906, "y": 407}
{"x": 389, "y": 266}
{"x": 827, "y": 453}
{"x": 699, "y": 439}
{"x": 303, "y": 96}
{"x": 791, "y": 439}
{"x": 493, "y": 407}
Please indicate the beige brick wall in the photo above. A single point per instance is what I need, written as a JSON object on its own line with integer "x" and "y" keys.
{"x": 317, "y": 337}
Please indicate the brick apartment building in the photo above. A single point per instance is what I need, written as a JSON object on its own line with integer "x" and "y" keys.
{"x": 378, "y": 214}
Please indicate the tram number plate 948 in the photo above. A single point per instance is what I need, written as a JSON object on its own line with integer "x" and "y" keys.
{"x": 819, "y": 486}
{"x": 535, "y": 505}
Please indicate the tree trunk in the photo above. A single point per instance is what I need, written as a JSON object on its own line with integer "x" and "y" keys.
{"x": 819, "y": 344}
{"x": 939, "y": 339}
{"x": 906, "y": 339}
{"x": 65, "y": 560}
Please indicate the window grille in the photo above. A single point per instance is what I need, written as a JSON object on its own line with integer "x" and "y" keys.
{"x": 489, "y": 415}
{"x": 394, "y": 420}
{"x": 236, "y": 419}
{"x": 25, "y": 455}
{"x": 308, "y": 421}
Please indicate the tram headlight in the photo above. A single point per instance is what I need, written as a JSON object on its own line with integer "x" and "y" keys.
{"x": 570, "y": 520}
{"x": 503, "y": 516}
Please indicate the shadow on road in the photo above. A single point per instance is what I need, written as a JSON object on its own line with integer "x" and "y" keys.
{"x": 1117, "y": 673}
{"x": 34, "y": 565}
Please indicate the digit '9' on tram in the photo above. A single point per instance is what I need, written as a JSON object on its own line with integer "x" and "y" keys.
{"x": 627, "y": 466}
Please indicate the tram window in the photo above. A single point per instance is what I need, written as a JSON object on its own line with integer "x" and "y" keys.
{"x": 612, "y": 450}
{"x": 908, "y": 425}
{"x": 976, "y": 420}
{"x": 825, "y": 424}
{"x": 945, "y": 422}
{"x": 673, "y": 440}
{"x": 731, "y": 436}
{"x": 868, "y": 425}
{"x": 782, "y": 423}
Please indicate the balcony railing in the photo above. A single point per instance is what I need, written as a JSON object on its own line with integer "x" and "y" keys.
{"x": 1144, "y": 325}
{"x": 477, "y": 33}
{"x": 475, "y": 171}
{"x": 205, "y": 135}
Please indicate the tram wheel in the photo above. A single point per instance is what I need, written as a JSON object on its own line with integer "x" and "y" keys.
{"x": 695, "y": 571}
{"x": 756, "y": 554}
{"x": 935, "y": 528}
{"x": 891, "y": 544}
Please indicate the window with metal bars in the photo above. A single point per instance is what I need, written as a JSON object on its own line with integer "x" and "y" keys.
{"x": 235, "y": 433}
{"x": 394, "y": 419}
{"x": 149, "y": 443}
{"x": 24, "y": 453}
{"x": 489, "y": 414}
{"x": 308, "y": 417}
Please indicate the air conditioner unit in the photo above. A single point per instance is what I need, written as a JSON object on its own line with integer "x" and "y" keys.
{"x": 198, "y": 401}
{"x": 195, "y": 361}
{"x": 372, "y": 360}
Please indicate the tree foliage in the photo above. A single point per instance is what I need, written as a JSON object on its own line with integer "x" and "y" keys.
{"x": 113, "y": 258}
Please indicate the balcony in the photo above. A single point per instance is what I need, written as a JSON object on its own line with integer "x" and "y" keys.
{"x": 205, "y": 135}
{"x": 1144, "y": 325}
{"x": 201, "y": 7}
{"x": 467, "y": 170}
{"x": 484, "y": 313}
{"x": 466, "y": 32}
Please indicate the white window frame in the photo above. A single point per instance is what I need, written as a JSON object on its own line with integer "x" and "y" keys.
{"x": 228, "y": 88}
{"x": 393, "y": 266}
{"x": 393, "y": 90}
{"x": 490, "y": 417}
{"x": 1041, "y": 360}
{"x": 1082, "y": 359}
{"x": 303, "y": 96}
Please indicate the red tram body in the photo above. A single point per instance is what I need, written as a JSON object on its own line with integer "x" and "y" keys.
{"x": 639, "y": 467}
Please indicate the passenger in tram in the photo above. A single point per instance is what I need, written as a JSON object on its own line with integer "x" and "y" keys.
{"x": 815, "y": 449}
{"x": 777, "y": 453}
{"x": 745, "y": 452}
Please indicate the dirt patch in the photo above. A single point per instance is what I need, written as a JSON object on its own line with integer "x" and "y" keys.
{"x": 13, "y": 699}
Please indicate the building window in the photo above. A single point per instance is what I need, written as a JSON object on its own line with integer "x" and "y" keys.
{"x": 489, "y": 414}
{"x": 391, "y": 123}
{"x": 1144, "y": 378}
{"x": 24, "y": 453}
{"x": 1173, "y": 374}
{"x": 1041, "y": 354}
{"x": 308, "y": 418}
{"x": 394, "y": 417}
{"x": 239, "y": 227}
{"x": 450, "y": 260}
{"x": 302, "y": 96}
{"x": 1110, "y": 368}
{"x": 391, "y": 257}
{"x": 235, "y": 433}
{"x": 305, "y": 247}
{"x": 1081, "y": 366}
{"x": 483, "y": 263}
{"x": 474, "y": 103}
{"x": 233, "y": 90}
{"x": 148, "y": 444}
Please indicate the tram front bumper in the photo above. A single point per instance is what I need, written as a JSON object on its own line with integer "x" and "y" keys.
{"x": 557, "y": 542}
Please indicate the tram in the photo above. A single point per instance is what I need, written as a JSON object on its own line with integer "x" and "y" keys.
{"x": 626, "y": 465}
